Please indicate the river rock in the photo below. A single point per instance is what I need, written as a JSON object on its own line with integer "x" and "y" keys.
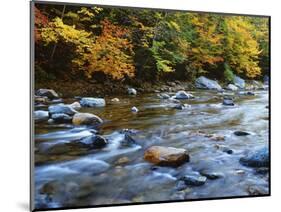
{"x": 246, "y": 93}
{"x": 134, "y": 109}
{"x": 181, "y": 106}
{"x": 241, "y": 133}
{"x": 75, "y": 105}
{"x": 194, "y": 179}
{"x": 94, "y": 141}
{"x": 166, "y": 156}
{"x": 62, "y": 108}
{"x": 183, "y": 95}
{"x": 41, "y": 115}
{"x": 228, "y": 101}
{"x": 232, "y": 87}
{"x": 51, "y": 94}
{"x": 61, "y": 118}
{"x": 205, "y": 83}
{"x": 115, "y": 100}
{"x": 86, "y": 119}
{"x": 164, "y": 96}
{"x": 258, "y": 158}
{"x": 40, "y": 99}
{"x": 211, "y": 175}
{"x": 239, "y": 82}
{"x": 92, "y": 102}
{"x": 132, "y": 91}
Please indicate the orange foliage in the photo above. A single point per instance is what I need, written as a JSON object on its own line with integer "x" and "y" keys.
{"x": 112, "y": 52}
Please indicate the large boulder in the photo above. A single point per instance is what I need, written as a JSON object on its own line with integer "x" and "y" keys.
{"x": 86, "y": 119}
{"x": 62, "y": 108}
{"x": 183, "y": 95}
{"x": 51, "y": 94}
{"x": 205, "y": 83}
{"x": 258, "y": 158}
{"x": 92, "y": 102}
{"x": 166, "y": 156}
{"x": 41, "y": 115}
{"x": 239, "y": 82}
{"x": 132, "y": 91}
{"x": 61, "y": 118}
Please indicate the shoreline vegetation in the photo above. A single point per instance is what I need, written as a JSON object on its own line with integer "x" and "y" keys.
{"x": 85, "y": 48}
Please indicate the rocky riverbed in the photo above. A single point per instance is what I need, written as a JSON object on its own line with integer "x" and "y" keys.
{"x": 158, "y": 146}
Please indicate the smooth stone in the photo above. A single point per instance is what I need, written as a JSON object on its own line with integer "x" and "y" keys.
{"x": 115, "y": 100}
{"x": 51, "y": 94}
{"x": 258, "y": 158}
{"x": 205, "y": 83}
{"x": 228, "y": 102}
{"x": 132, "y": 91}
{"x": 183, "y": 95}
{"x": 86, "y": 119}
{"x": 134, "y": 109}
{"x": 41, "y": 99}
{"x": 182, "y": 106}
{"x": 232, "y": 87}
{"x": 61, "y": 108}
{"x": 122, "y": 160}
{"x": 241, "y": 133}
{"x": 92, "y": 102}
{"x": 75, "y": 105}
{"x": 166, "y": 156}
{"x": 61, "y": 118}
{"x": 41, "y": 115}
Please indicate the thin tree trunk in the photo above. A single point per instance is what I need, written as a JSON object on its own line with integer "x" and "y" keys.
{"x": 55, "y": 46}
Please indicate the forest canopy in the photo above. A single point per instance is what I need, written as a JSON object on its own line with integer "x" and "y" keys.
{"x": 120, "y": 44}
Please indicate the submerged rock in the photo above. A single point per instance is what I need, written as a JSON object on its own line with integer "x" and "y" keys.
{"x": 211, "y": 175}
{"x": 86, "y": 119}
{"x": 259, "y": 158}
{"x": 205, "y": 83}
{"x": 61, "y": 118}
{"x": 181, "y": 106}
{"x": 41, "y": 115}
{"x": 166, "y": 156}
{"x": 61, "y": 108}
{"x": 164, "y": 96}
{"x": 194, "y": 179}
{"x": 239, "y": 82}
{"x": 241, "y": 133}
{"x": 183, "y": 95}
{"x": 132, "y": 91}
{"x": 51, "y": 94}
{"x": 92, "y": 102}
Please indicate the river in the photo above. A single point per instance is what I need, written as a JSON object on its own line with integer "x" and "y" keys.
{"x": 71, "y": 177}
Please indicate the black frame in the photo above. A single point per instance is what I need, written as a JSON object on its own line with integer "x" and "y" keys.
{"x": 31, "y": 156}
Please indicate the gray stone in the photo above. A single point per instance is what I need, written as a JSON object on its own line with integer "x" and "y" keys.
{"x": 51, "y": 94}
{"x": 61, "y": 118}
{"x": 183, "y": 95}
{"x": 132, "y": 91}
{"x": 92, "y": 102}
{"x": 239, "y": 82}
{"x": 258, "y": 158}
{"x": 205, "y": 83}
{"x": 41, "y": 115}
{"x": 61, "y": 108}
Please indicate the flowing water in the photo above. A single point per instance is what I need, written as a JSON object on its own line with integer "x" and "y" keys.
{"x": 67, "y": 176}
